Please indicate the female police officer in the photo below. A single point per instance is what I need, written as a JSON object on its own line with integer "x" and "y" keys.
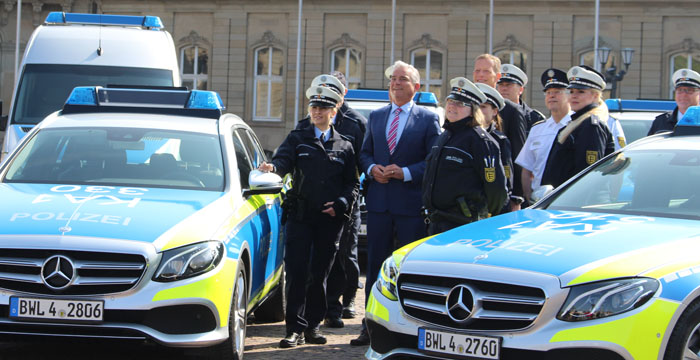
{"x": 492, "y": 123}
{"x": 464, "y": 179}
{"x": 324, "y": 186}
{"x": 586, "y": 138}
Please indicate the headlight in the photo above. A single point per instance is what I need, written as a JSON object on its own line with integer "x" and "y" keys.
{"x": 607, "y": 298}
{"x": 386, "y": 282}
{"x": 189, "y": 261}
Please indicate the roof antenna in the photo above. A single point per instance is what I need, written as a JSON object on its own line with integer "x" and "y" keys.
{"x": 99, "y": 44}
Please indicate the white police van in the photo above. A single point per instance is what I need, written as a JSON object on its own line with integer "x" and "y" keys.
{"x": 72, "y": 49}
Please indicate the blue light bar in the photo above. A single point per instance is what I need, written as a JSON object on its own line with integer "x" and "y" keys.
{"x": 691, "y": 117}
{"x": 640, "y": 105}
{"x": 421, "y": 98}
{"x": 83, "y": 95}
{"x": 425, "y": 98}
{"x": 204, "y": 100}
{"x": 149, "y": 22}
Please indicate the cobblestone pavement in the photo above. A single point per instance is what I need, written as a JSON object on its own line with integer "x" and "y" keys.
{"x": 262, "y": 340}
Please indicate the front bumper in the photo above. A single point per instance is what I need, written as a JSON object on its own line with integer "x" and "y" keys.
{"x": 192, "y": 312}
{"x": 637, "y": 334}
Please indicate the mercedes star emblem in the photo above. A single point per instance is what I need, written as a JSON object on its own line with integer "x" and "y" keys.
{"x": 460, "y": 303}
{"x": 58, "y": 272}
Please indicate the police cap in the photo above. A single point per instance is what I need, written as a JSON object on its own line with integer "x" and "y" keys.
{"x": 329, "y": 81}
{"x": 322, "y": 96}
{"x": 512, "y": 73}
{"x": 492, "y": 96}
{"x": 585, "y": 77}
{"x": 686, "y": 77}
{"x": 554, "y": 78}
{"x": 465, "y": 91}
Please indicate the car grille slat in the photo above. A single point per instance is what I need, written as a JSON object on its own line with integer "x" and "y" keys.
{"x": 496, "y": 306}
{"x": 94, "y": 272}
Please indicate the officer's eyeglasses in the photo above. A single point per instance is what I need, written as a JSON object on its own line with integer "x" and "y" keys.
{"x": 687, "y": 90}
{"x": 457, "y": 103}
{"x": 555, "y": 92}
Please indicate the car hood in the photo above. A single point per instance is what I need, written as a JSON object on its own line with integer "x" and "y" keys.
{"x": 141, "y": 214}
{"x": 575, "y": 246}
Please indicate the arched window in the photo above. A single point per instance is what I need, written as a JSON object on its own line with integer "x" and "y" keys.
{"x": 684, "y": 60}
{"x": 348, "y": 61}
{"x": 429, "y": 63}
{"x": 267, "y": 85}
{"x": 515, "y": 57}
{"x": 194, "y": 67}
{"x": 588, "y": 58}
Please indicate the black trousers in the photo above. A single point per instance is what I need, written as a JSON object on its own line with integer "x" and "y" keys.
{"x": 344, "y": 278}
{"x": 310, "y": 249}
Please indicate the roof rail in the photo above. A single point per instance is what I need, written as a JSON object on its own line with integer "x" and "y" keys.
{"x": 146, "y": 22}
{"x": 159, "y": 100}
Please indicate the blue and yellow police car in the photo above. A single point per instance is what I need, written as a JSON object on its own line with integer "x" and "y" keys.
{"x": 604, "y": 267}
{"x": 137, "y": 213}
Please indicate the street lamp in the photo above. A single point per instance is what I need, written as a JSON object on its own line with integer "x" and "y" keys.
{"x": 611, "y": 74}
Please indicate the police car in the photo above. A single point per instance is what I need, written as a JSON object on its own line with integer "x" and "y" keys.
{"x": 604, "y": 267}
{"x": 636, "y": 116}
{"x": 136, "y": 213}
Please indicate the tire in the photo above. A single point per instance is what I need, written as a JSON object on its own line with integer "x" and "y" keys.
{"x": 273, "y": 309}
{"x": 232, "y": 348}
{"x": 684, "y": 342}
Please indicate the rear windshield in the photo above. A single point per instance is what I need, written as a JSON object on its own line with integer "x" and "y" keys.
{"x": 120, "y": 156}
{"x": 44, "y": 88}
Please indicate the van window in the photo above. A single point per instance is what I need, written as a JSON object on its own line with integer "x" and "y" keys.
{"x": 44, "y": 88}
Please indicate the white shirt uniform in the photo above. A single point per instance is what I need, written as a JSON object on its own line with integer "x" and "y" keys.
{"x": 533, "y": 156}
{"x": 617, "y": 133}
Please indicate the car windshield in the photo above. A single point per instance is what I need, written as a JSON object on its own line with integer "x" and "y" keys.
{"x": 45, "y": 87}
{"x": 120, "y": 156}
{"x": 640, "y": 182}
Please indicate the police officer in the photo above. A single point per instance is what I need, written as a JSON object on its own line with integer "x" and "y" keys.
{"x": 464, "y": 179}
{"x": 492, "y": 123}
{"x": 344, "y": 278}
{"x": 533, "y": 156}
{"x": 511, "y": 85}
{"x": 687, "y": 94}
{"x": 324, "y": 186}
{"x": 586, "y": 138}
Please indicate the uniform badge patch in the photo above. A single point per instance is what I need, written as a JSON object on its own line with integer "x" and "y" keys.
{"x": 621, "y": 140}
{"x": 591, "y": 157}
{"x": 507, "y": 170}
{"x": 490, "y": 174}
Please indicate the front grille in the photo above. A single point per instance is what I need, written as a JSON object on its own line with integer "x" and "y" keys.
{"x": 493, "y": 306}
{"x": 95, "y": 272}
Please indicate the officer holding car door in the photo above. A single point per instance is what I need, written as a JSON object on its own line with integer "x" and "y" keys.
{"x": 324, "y": 186}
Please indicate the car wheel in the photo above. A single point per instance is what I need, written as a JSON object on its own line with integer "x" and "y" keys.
{"x": 232, "y": 348}
{"x": 684, "y": 342}
{"x": 273, "y": 309}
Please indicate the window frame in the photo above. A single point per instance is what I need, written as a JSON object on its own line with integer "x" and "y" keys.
{"x": 427, "y": 82}
{"x": 690, "y": 59}
{"x": 352, "y": 80}
{"x": 270, "y": 79}
{"x": 195, "y": 77}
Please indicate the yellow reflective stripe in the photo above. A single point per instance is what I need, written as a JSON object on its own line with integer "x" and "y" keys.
{"x": 218, "y": 289}
{"x": 640, "y": 334}
{"x": 639, "y": 261}
{"x": 269, "y": 285}
{"x": 400, "y": 253}
{"x": 375, "y": 308}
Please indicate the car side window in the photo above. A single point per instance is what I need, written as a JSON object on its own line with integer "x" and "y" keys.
{"x": 243, "y": 159}
{"x": 257, "y": 156}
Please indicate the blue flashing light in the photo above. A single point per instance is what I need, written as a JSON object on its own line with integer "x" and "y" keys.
{"x": 639, "y": 105}
{"x": 82, "y": 95}
{"x": 691, "y": 117}
{"x": 368, "y": 95}
{"x": 200, "y": 99}
{"x": 152, "y": 22}
{"x": 425, "y": 98}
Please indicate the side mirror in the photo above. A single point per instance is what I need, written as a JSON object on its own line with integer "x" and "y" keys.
{"x": 263, "y": 183}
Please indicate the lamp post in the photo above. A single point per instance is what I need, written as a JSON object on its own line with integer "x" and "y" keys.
{"x": 612, "y": 76}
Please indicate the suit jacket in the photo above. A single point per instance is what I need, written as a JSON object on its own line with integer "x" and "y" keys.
{"x": 398, "y": 197}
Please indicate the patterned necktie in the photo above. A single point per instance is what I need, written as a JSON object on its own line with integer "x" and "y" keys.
{"x": 393, "y": 130}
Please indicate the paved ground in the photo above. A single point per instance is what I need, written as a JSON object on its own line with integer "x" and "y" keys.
{"x": 262, "y": 341}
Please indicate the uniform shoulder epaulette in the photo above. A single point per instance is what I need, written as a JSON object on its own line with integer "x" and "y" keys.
{"x": 500, "y": 135}
{"x": 539, "y": 114}
{"x": 539, "y": 122}
{"x": 345, "y": 137}
{"x": 595, "y": 120}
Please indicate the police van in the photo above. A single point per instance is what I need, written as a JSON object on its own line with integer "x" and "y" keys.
{"x": 72, "y": 49}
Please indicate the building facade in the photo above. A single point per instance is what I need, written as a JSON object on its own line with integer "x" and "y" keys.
{"x": 247, "y": 49}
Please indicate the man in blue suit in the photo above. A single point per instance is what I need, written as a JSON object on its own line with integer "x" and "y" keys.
{"x": 399, "y": 137}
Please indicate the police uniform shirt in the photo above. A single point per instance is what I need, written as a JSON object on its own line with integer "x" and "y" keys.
{"x": 617, "y": 133}
{"x": 533, "y": 156}
{"x": 664, "y": 122}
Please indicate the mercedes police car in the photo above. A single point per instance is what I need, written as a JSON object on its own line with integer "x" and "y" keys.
{"x": 137, "y": 214}
{"x": 604, "y": 267}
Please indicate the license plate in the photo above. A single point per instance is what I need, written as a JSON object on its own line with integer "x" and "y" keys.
{"x": 480, "y": 347}
{"x": 54, "y": 309}
{"x": 363, "y": 229}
